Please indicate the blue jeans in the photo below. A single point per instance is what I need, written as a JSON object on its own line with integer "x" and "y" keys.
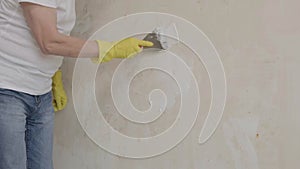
{"x": 26, "y": 130}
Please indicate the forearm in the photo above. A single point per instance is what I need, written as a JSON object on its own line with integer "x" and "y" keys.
{"x": 43, "y": 24}
{"x": 69, "y": 46}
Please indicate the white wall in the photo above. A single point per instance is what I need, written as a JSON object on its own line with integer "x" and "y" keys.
{"x": 258, "y": 44}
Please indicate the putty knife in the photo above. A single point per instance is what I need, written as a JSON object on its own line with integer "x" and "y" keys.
{"x": 163, "y": 37}
{"x": 154, "y": 38}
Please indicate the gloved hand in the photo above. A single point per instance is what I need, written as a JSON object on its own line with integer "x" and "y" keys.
{"x": 59, "y": 95}
{"x": 121, "y": 49}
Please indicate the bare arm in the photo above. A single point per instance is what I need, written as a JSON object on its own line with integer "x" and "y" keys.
{"x": 43, "y": 24}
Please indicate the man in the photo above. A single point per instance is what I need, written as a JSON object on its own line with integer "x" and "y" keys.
{"x": 34, "y": 38}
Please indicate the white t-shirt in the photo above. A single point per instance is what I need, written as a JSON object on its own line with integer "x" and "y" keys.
{"x": 23, "y": 67}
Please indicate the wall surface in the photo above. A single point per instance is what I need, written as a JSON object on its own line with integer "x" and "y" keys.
{"x": 258, "y": 42}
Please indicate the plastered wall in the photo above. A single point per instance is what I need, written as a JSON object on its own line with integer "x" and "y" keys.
{"x": 258, "y": 45}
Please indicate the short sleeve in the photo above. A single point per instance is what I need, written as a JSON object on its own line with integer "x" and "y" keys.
{"x": 46, "y": 3}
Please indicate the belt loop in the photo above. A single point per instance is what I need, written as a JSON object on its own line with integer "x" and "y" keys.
{"x": 37, "y": 99}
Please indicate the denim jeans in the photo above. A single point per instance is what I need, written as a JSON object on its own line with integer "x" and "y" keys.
{"x": 26, "y": 130}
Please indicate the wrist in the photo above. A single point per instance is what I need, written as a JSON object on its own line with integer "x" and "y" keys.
{"x": 104, "y": 53}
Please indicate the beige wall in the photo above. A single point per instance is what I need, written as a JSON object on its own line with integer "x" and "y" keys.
{"x": 258, "y": 44}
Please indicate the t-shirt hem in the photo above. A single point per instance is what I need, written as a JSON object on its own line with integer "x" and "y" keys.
{"x": 30, "y": 92}
{"x": 39, "y": 3}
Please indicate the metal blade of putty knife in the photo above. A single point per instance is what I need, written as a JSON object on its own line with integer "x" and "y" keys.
{"x": 163, "y": 37}
{"x": 154, "y": 38}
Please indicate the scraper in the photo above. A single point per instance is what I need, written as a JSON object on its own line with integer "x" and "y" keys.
{"x": 163, "y": 37}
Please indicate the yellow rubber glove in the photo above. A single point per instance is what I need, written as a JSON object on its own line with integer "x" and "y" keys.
{"x": 59, "y": 95}
{"x": 121, "y": 49}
